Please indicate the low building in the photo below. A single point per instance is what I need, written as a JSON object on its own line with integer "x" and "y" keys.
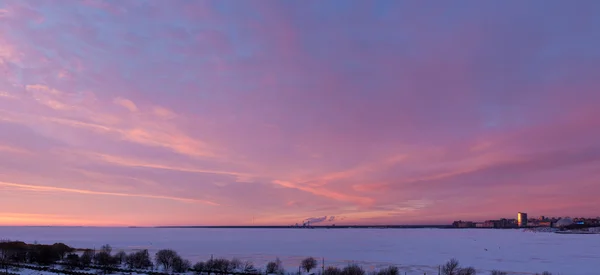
{"x": 564, "y": 222}
{"x": 463, "y": 224}
{"x": 544, "y": 224}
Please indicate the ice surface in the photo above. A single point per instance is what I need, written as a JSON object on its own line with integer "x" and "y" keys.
{"x": 415, "y": 251}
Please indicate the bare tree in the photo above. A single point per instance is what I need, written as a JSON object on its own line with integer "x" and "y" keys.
{"x": 61, "y": 250}
{"x": 249, "y": 267}
{"x": 199, "y": 267}
{"x": 73, "y": 261}
{"x": 219, "y": 265}
{"x": 165, "y": 258}
{"x": 106, "y": 248}
{"x": 392, "y": 270}
{"x": 451, "y": 267}
{"x": 180, "y": 265}
{"x": 235, "y": 264}
{"x": 86, "y": 258}
{"x": 139, "y": 260}
{"x": 5, "y": 254}
{"x": 353, "y": 269}
{"x": 466, "y": 271}
{"x": 120, "y": 257}
{"x": 308, "y": 264}
{"x": 275, "y": 267}
{"x": 332, "y": 270}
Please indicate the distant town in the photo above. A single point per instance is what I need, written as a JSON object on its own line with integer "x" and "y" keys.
{"x": 523, "y": 221}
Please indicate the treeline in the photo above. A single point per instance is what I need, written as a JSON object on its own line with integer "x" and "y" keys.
{"x": 167, "y": 261}
{"x": 20, "y": 252}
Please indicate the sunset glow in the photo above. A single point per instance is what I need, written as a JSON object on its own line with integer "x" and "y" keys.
{"x": 142, "y": 113}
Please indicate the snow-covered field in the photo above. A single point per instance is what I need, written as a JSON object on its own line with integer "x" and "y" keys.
{"x": 415, "y": 251}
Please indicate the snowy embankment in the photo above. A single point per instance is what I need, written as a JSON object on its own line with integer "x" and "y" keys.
{"x": 415, "y": 251}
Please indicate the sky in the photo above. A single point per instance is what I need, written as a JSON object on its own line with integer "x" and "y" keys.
{"x": 144, "y": 113}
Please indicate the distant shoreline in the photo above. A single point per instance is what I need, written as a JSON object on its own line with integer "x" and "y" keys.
{"x": 311, "y": 227}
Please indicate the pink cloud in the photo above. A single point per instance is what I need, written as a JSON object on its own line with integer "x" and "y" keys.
{"x": 126, "y": 103}
{"x": 288, "y": 111}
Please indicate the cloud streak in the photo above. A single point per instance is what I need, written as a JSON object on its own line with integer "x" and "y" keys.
{"x": 39, "y": 188}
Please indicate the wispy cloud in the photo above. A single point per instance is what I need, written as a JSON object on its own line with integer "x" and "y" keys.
{"x": 14, "y": 150}
{"x": 126, "y": 103}
{"x": 129, "y": 162}
{"x": 39, "y": 188}
{"x": 324, "y": 192}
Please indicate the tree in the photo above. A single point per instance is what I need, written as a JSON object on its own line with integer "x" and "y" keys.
{"x": 199, "y": 267}
{"x": 139, "y": 260}
{"x": 309, "y": 263}
{"x": 235, "y": 264}
{"x": 275, "y": 267}
{"x": 497, "y": 272}
{"x": 105, "y": 260}
{"x": 353, "y": 269}
{"x": 45, "y": 255}
{"x": 86, "y": 258}
{"x": 218, "y": 265}
{"x": 165, "y": 258}
{"x": 61, "y": 250}
{"x": 5, "y": 254}
{"x": 12, "y": 252}
{"x": 392, "y": 270}
{"x": 180, "y": 265}
{"x": 249, "y": 267}
{"x": 73, "y": 261}
{"x": 332, "y": 270}
{"x": 451, "y": 267}
{"x": 466, "y": 271}
{"x": 106, "y": 248}
{"x": 120, "y": 257}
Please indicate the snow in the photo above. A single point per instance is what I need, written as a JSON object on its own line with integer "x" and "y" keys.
{"x": 415, "y": 251}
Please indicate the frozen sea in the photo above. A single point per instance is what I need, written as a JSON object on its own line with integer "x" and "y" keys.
{"x": 415, "y": 251}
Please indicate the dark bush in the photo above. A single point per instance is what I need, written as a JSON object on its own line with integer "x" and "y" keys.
{"x": 105, "y": 260}
{"x": 353, "y": 269}
{"x": 275, "y": 267}
{"x": 308, "y": 264}
{"x": 199, "y": 267}
{"x": 180, "y": 265}
{"x": 467, "y": 271}
{"x": 106, "y": 249}
{"x": 72, "y": 261}
{"x": 332, "y": 270}
{"x": 218, "y": 265}
{"x": 15, "y": 252}
{"x": 61, "y": 250}
{"x": 86, "y": 258}
{"x": 139, "y": 260}
{"x": 392, "y": 270}
{"x": 120, "y": 257}
{"x": 235, "y": 264}
{"x": 249, "y": 267}
{"x": 165, "y": 258}
{"x": 43, "y": 255}
{"x": 451, "y": 267}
